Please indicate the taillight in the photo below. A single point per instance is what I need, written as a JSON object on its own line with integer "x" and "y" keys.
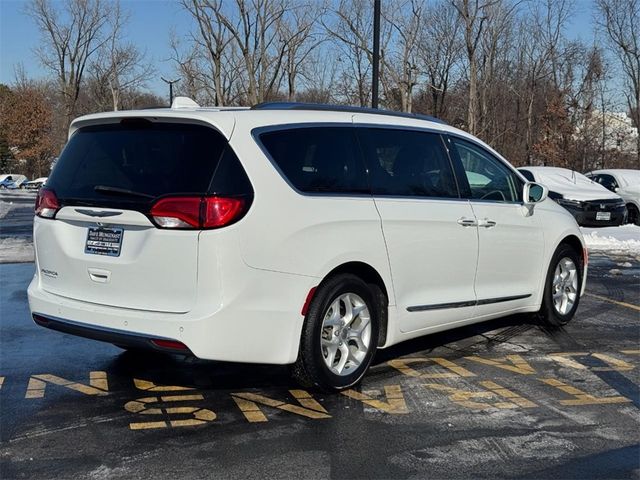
{"x": 197, "y": 212}
{"x": 47, "y": 203}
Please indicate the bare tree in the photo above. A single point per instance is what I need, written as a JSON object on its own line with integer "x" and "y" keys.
{"x": 473, "y": 14}
{"x": 439, "y": 50}
{"x": 297, "y": 31}
{"x": 401, "y": 60}
{"x": 118, "y": 66}
{"x": 620, "y": 19}
{"x": 352, "y": 30}
{"x": 71, "y": 36}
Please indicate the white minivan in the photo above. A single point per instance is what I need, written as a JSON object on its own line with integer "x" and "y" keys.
{"x": 299, "y": 234}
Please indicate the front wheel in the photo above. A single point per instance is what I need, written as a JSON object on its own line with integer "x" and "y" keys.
{"x": 340, "y": 334}
{"x": 562, "y": 287}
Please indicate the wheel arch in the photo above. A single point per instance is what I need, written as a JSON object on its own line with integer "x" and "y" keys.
{"x": 370, "y": 275}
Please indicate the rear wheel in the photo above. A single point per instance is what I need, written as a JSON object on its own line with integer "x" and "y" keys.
{"x": 340, "y": 334}
{"x": 562, "y": 287}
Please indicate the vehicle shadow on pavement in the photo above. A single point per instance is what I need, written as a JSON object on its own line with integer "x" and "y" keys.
{"x": 167, "y": 369}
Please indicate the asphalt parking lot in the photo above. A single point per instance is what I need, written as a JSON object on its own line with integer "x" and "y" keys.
{"x": 503, "y": 399}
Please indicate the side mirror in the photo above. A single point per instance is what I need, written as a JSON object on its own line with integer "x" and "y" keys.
{"x": 533, "y": 193}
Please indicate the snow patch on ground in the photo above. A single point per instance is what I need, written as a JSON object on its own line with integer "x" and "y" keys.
{"x": 624, "y": 239}
{"x": 4, "y": 208}
{"x": 16, "y": 249}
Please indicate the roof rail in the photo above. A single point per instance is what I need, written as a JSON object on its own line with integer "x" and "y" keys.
{"x": 324, "y": 107}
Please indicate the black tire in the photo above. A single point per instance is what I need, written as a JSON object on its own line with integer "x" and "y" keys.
{"x": 633, "y": 216}
{"x": 548, "y": 314}
{"x": 310, "y": 369}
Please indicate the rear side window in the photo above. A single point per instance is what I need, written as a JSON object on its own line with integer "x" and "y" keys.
{"x": 407, "y": 163}
{"x": 318, "y": 159}
{"x": 137, "y": 161}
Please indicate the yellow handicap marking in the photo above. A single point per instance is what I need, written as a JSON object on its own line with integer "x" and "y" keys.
{"x": 580, "y": 397}
{"x": 402, "y": 365}
{"x": 142, "y": 406}
{"x": 511, "y": 363}
{"x": 468, "y": 398}
{"x": 616, "y": 302}
{"x": 249, "y": 405}
{"x": 152, "y": 387}
{"x": 98, "y": 384}
{"x": 615, "y": 364}
{"x": 394, "y": 403}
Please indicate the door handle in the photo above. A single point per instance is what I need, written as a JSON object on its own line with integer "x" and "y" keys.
{"x": 467, "y": 222}
{"x": 486, "y": 223}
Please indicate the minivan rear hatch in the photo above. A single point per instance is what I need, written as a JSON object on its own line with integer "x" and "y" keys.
{"x": 103, "y": 245}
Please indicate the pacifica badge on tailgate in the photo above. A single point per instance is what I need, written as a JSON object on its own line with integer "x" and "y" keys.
{"x": 49, "y": 273}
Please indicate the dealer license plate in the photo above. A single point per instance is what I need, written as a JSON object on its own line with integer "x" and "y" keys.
{"x": 104, "y": 241}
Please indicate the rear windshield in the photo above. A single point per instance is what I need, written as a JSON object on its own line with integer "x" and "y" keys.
{"x": 135, "y": 162}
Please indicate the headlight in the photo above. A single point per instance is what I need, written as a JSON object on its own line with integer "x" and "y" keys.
{"x": 565, "y": 202}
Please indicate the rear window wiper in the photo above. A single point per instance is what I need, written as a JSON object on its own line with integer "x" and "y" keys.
{"x": 120, "y": 191}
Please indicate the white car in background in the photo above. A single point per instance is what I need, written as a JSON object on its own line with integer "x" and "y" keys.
{"x": 624, "y": 182}
{"x": 590, "y": 203}
{"x": 34, "y": 184}
{"x": 12, "y": 181}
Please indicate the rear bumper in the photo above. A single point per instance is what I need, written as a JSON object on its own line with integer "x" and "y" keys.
{"x": 104, "y": 334}
{"x": 258, "y": 321}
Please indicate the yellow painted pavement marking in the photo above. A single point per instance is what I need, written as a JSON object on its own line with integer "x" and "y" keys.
{"x": 617, "y": 302}
{"x": 98, "y": 384}
{"x": 141, "y": 406}
{"x": 631, "y": 352}
{"x": 1, "y": 381}
{"x": 467, "y": 398}
{"x": 394, "y": 403}
{"x": 565, "y": 359}
{"x": 248, "y": 403}
{"x": 152, "y": 387}
{"x": 402, "y": 365}
{"x": 615, "y": 364}
{"x": 518, "y": 364}
{"x": 580, "y": 397}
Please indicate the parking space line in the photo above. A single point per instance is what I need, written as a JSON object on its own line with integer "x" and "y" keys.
{"x": 1, "y": 381}
{"x": 580, "y": 397}
{"x": 395, "y": 402}
{"x": 617, "y": 302}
